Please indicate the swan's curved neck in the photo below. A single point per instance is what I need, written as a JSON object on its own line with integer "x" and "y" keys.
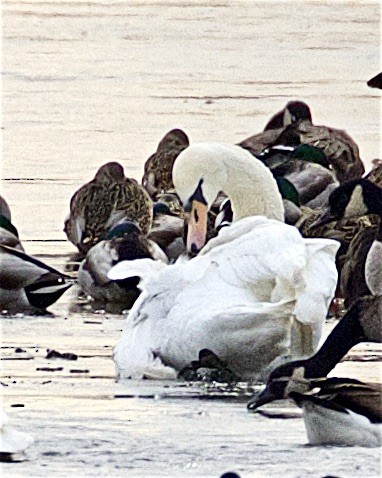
{"x": 252, "y": 190}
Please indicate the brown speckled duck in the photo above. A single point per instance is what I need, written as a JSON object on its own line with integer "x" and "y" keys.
{"x": 297, "y": 128}
{"x": 109, "y": 199}
{"x": 157, "y": 178}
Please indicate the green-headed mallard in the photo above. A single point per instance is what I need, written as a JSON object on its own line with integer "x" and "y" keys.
{"x": 27, "y": 285}
{"x": 124, "y": 242}
{"x": 157, "y": 178}
{"x": 109, "y": 199}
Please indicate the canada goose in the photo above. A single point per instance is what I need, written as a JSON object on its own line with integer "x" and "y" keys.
{"x": 356, "y": 209}
{"x": 361, "y": 323}
{"x": 341, "y": 412}
{"x": 294, "y": 111}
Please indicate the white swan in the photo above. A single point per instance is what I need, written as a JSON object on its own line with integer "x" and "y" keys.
{"x": 13, "y": 443}
{"x": 256, "y": 292}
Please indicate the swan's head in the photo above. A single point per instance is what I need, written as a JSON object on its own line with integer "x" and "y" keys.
{"x": 198, "y": 177}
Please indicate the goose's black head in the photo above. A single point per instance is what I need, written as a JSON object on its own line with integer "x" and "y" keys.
{"x": 356, "y": 197}
{"x": 276, "y": 385}
{"x": 296, "y": 111}
{"x": 353, "y": 198}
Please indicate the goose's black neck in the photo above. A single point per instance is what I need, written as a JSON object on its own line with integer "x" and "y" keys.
{"x": 343, "y": 337}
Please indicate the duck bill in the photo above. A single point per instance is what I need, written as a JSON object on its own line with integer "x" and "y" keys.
{"x": 197, "y": 226}
{"x": 261, "y": 399}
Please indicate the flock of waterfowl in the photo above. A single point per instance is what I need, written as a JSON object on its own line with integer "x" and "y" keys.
{"x": 234, "y": 252}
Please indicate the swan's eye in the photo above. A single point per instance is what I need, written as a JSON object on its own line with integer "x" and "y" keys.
{"x": 196, "y": 215}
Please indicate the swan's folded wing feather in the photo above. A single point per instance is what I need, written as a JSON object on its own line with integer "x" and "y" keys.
{"x": 321, "y": 279}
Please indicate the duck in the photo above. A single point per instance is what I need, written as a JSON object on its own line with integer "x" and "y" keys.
{"x": 353, "y": 216}
{"x": 294, "y": 111}
{"x": 4, "y": 209}
{"x": 361, "y": 323}
{"x": 340, "y": 149}
{"x": 250, "y": 295}
{"x": 9, "y": 235}
{"x": 168, "y": 230}
{"x": 376, "y": 81}
{"x": 341, "y": 412}
{"x": 157, "y": 178}
{"x": 124, "y": 242}
{"x": 109, "y": 199}
{"x": 13, "y": 443}
{"x": 304, "y": 166}
{"x": 27, "y": 285}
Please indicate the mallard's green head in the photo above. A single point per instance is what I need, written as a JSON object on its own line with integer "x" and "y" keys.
{"x": 287, "y": 190}
{"x": 305, "y": 152}
{"x": 6, "y": 224}
{"x": 122, "y": 230}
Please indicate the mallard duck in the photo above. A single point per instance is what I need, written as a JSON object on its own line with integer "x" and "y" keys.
{"x": 27, "y": 285}
{"x": 361, "y": 323}
{"x": 4, "y": 209}
{"x": 238, "y": 295}
{"x": 167, "y": 231}
{"x": 376, "y": 81}
{"x": 340, "y": 149}
{"x": 157, "y": 178}
{"x": 13, "y": 443}
{"x": 341, "y": 412}
{"x": 294, "y": 111}
{"x": 109, "y": 199}
{"x": 353, "y": 216}
{"x": 8, "y": 232}
{"x": 124, "y": 242}
{"x": 305, "y": 167}
{"x": 9, "y": 235}
{"x": 375, "y": 175}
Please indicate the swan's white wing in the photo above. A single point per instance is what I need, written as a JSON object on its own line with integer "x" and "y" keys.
{"x": 321, "y": 279}
{"x": 146, "y": 269}
{"x": 11, "y": 440}
{"x": 234, "y": 231}
{"x": 269, "y": 251}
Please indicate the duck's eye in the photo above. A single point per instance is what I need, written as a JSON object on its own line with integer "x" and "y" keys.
{"x": 196, "y": 215}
